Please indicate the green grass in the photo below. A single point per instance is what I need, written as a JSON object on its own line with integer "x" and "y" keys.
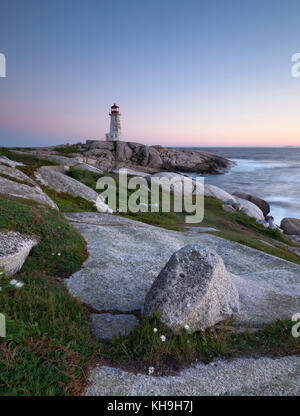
{"x": 68, "y": 151}
{"x": 144, "y": 348}
{"x": 235, "y": 227}
{"x": 48, "y": 340}
{"x": 30, "y": 160}
{"x": 69, "y": 203}
{"x": 245, "y": 230}
{"x": 171, "y": 220}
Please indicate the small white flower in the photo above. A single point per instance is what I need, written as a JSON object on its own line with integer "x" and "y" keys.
{"x": 19, "y": 284}
{"x": 59, "y": 254}
{"x": 150, "y": 370}
{"x": 163, "y": 338}
{"x": 154, "y": 329}
{"x": 187, "y": 327}
{"x": 1, "y": 273}
{"x": 13, "y": 282}
{"x": 52, "y": 254}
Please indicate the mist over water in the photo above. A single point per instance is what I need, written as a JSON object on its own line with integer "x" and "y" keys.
{"x": 269, "y": 173}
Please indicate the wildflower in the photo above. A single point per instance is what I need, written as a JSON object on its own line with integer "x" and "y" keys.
{"x": 13, "y": 282}
{"x": 187, "y": 327}
{"x": 52, "y": 254}
{"x": 154, "y": 329}
{"x": 150, "y": 370}
{"x": 1, "y": 273}
{"x": 19, "y": 284}
{"x": 163, "y": 338}
{"x": 59, "y": 254}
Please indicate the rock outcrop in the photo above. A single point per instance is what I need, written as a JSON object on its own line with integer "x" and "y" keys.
{"x": 6, "y": 161}
{"x": 53, "y": 178}
{"x": 20, "y": 190}
{"x": 193, "y": 291}
{"x": 262, "y": 376}
{"x": 109, "y": 156}
{"x": 290, "y": 226}
{"x": 125, "y": 257}
{"x": 14, "y": 249}
{"x": 261, "y": 203}
{"x": 15, "y": 174}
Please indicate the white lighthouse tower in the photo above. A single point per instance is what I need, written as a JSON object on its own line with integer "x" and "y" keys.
{"x": 115, "y": 124}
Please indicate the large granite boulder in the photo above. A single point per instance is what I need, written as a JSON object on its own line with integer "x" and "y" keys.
{"x": 20, "y": 190}
{"x": 290, "y": 226}
{"x": 193, "y": 290}
{"x": 126, "y": 256}
{"x": 14, "y": 249}
{"x": 216, "y": 192}
{"x": 123, "y": 151}
{"x": 250, "y": 209}
{"x": 261, "y": 203}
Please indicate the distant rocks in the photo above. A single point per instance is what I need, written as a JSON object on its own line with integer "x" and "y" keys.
{"x": 261, "y": 203}
{"x": 14, "y": 249}
{"x": 193, "y": 291}
{"x": 290, "y": 226}
{"x": 110, "y": 156}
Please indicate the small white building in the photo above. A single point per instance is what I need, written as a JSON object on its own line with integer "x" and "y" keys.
{"x": 115, "y": 124}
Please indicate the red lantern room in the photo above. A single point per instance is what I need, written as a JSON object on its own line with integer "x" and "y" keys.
{"x": 114, "y": 109}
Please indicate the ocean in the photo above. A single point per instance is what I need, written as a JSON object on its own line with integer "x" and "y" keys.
{"x": 269, "y": 173}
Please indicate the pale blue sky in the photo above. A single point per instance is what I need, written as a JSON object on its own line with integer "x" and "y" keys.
{"x": 183, "y": 72}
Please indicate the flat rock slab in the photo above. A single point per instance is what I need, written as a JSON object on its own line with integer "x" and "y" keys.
{"x": 16, "y": 174}
{"x": 240, "y": 377}
{"x": 125, "y": 256}
{"x": 55, "y": 179}
{"x": 14, "y": 249}
{"x": 62, "y": 160}
{"x": 106, "y": 325}
{"x": 201, "y": 229}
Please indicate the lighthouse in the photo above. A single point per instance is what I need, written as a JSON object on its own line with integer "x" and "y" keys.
{"x": 115, "y": 124}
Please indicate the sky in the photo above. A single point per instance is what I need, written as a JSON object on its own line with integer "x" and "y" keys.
{"x": 184, "y": 72}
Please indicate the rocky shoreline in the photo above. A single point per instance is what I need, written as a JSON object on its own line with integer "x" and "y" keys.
{"x": 109, "y": 156}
